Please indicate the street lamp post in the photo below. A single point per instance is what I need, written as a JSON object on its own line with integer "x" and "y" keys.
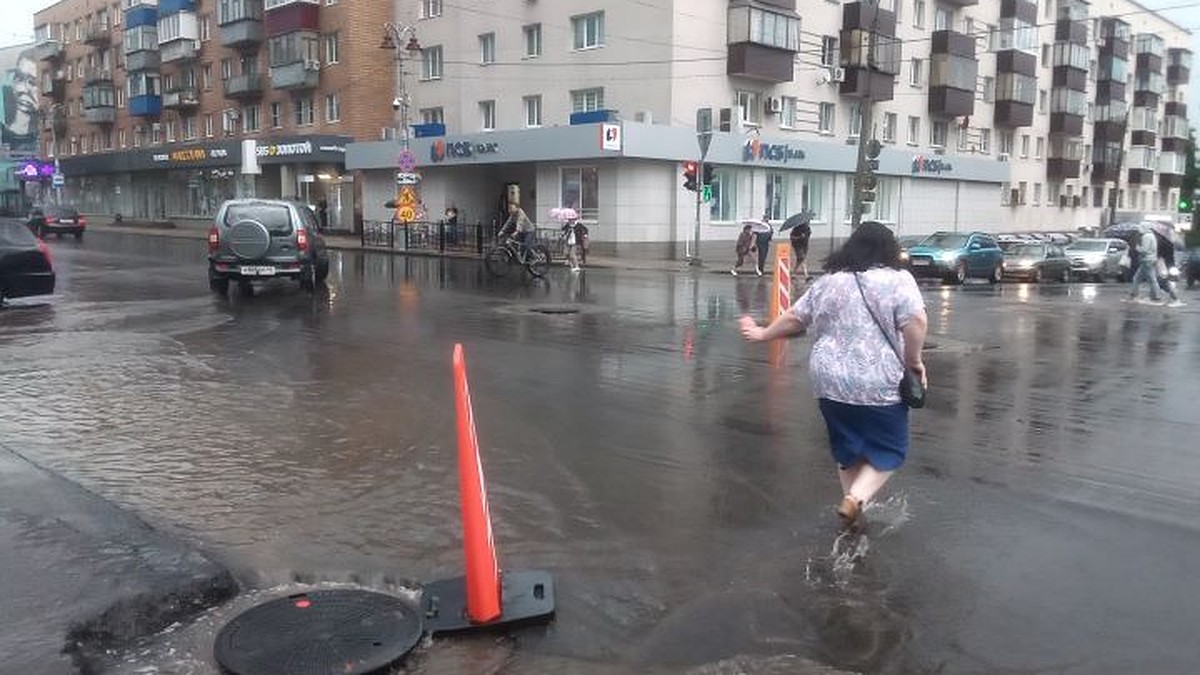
{"x": 394, "y": 39}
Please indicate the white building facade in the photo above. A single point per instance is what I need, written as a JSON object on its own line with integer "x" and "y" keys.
{"x": 987, "y": 112}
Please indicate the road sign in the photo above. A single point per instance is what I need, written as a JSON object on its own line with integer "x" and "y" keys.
{"x": 406, "y": 214}
{"x": 407, "y": 161}
{"x": 706, "y": 193}
{"x": 704, "y": 120}
{"x": 705, "y": 140}
{"x": 405, "y": 178}
{"x": 58, "y": 180}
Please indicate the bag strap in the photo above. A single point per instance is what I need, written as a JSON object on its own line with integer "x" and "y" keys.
{"x": 887, "y": 336}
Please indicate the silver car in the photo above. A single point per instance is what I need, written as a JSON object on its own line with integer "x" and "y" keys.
{"x": 261, "y": 239}
{"x": 1099, "y": 259}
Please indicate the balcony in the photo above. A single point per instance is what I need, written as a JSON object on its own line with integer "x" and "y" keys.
{"x": 868, "y": 73}
{"x": 98, "y": 35}
{"x": 1066, "y": 123}
{"x": 242, "y": 34}
{"x": 143, "y": 60}
{"x": 100, "y": 115}
{"x": 55, "y": 121}
{"x": 54, "y": 85}
{"x": 292, "y": 17}
{"x": 953, "y": 74}
{"x": 1175, "y": 109}
{"x": 182, "y": 99}
{"x": 245, "y": 87}
{"x": 97, "y": 76}
{"x": 1060, "y": 168}
{"x": 1016, "y": 88}
{"x": 1140, "y": 176}
{"x": 49, "y": 50}
{"x": 180, "y": 50}
{"x": 296, "y": 76}
{"x": 1179, "y": 67}
{"x": 145, "y": 106}
{"x": 762, "y": 43}
{"x": 1142, "y": 137}
{"x": 1105, "y": 161}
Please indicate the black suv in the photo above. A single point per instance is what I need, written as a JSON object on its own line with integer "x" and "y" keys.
{"x": 56, "y": 220}
{"x": 259, "y": 239}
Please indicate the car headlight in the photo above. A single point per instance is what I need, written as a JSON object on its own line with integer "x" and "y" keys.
{"x": 948, "y": 256}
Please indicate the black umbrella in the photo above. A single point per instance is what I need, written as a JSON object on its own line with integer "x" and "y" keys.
{"x": 802, "y": 218}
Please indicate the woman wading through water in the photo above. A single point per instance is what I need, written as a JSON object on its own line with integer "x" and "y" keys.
{"x": 854, "y": 368}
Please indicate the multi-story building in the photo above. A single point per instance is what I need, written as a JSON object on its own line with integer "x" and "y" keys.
{"x": 993, "y": 114}
{"x": 145, "y": 103}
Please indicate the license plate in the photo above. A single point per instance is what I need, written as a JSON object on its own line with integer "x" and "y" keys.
{"x": 66, "y": 221}
{"x": 920, "y": 263}
{"x": 257, "y": 270}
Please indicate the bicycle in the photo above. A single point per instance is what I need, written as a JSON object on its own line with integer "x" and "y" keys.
{"x": 501, "y": 257}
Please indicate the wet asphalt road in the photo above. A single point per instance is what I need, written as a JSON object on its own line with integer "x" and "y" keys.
{"x": 675, "y": 482}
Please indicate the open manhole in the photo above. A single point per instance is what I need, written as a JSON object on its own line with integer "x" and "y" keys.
{"x": 337, "y": 631}
{"x": 554, "y": 309}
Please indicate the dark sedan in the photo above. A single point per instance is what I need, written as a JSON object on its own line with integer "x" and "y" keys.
{"x": 25, "y": 267}
{"x": 1037, "y": 262}
{"x": 56, "y": 220}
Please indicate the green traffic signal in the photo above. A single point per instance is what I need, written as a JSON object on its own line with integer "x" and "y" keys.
{"x": 1185, "y": 205}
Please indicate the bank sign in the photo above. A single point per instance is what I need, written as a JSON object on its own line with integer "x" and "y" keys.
{"x": 930, "y": 165}
{"x": 442, "y": 150}
{"x": 757, "y": 151}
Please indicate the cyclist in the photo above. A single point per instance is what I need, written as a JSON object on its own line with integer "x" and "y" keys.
{"x": 520, "y": 227}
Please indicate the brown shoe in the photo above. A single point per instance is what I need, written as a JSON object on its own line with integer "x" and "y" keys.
{"x": 849, "y": 510}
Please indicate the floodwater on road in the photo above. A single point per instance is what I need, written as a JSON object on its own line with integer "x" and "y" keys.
{"x": 675, "y": 480}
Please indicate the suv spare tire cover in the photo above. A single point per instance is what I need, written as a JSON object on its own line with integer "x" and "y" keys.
{"x": 249, "y": 239}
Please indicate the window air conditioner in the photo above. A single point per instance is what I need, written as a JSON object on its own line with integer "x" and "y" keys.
{"x": 312, "y": 64}
{"x": 774, "y": 105}
{"x": 837, "y": 74}
{"x": 1003, "y": 157}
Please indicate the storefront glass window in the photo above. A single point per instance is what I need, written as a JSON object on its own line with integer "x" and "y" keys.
{"x": 777, "y": 195}
{"x": 814, "y": 191}
{"x": 581, "y": 191}
{"x": 723, "y": 206}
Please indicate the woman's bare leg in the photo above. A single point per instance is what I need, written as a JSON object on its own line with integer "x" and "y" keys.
{"x": 847, "y": 477}
{"x": 867, "y": 481}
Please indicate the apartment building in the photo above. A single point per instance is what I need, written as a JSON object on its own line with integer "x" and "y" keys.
{"x": 145, "y": 103}
{"x": 988, "y": 111}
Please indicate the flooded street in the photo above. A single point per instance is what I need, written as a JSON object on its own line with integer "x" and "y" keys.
{"x": 675, "y": 482}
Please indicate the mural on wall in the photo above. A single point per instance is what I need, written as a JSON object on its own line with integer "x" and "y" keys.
{"x": 19, "y": 100}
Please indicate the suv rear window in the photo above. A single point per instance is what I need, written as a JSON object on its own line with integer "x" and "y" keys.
{"x": 275, "y": 217}
{"x": 16, "y": 235}
{"x": 62, "y": 212}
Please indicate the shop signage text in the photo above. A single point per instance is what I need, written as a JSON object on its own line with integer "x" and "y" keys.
{"x": 441, "y": 150}
{"x": 285, "y": 149}
{"x": 191, "y": 155}
{"x": 934, "y": 165}
{"x": 756, "y": 150}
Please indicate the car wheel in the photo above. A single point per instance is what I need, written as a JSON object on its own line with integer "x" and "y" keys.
{"x": 960, "y": 273}
{"x": 997, "y": 275}
{"x": 322, "y": 270}
{"x": 308, "y": 278}
{"x": 218, "y": 285}
{"x": 1065, "y": 277}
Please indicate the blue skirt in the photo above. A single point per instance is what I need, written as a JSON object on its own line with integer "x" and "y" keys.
{"x": 875, "y": 434}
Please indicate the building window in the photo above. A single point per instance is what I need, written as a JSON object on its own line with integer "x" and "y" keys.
{"x": 588, "y": 30}
{"x": 749, "y": 105}
{"x": 250, "y": 121}
{"x": 205, "y": 27}
{"x": 303, "y": 108}
{"x": 854, "y": 121}
{"x": 814, "y": 188}
{"x": 189, "y": 128}
{"x": 723, "y": 206}
{"x": 1043, "y": 99}
{"x": 333, "y": 108}
{"x": 1024, "y": 146}
{"x": 433, "y": 116}
{"x": 533, "y": 111}
{"x": 208, "y": 125}
{"x": 919, "y": 11}
{"x": 942, "y": 18}
{"x": 916, "y": 69}
{"x": 1006, "y": 143}
{"x": 431, "y": 63}
{"x": 829, "y": 51}
{"x": 487, "y": 48}
{"x": 777, "y": 195}
{"x": 914, "y": 130}
{"x": 787, "y": 112}
{"x": 964, "y": 139}
{"x": 170, "y": 132}
{"x": 431, "y": 9}
{"x": 1037, "y": 194}
{"x": 938, "y": 131}
{"x": 276, "y": 115}
{"x": 1040, "y": 147}
{"x": 581, "y": 191}
{"x": 985, "y": 141}
{"x": 989, "y": 90}
{"x": 331, "y": 48}
{"x": 587, "y": 100}
{"x": 121, "y": 138}
{"x": 226, "y": 69}
{"x": 825, "y": 115}
{"x": 487, "y": 115}
{"x": 533, "y": 40}
{"x": 292, "y": 48}
{"x": 120, "y": 98}
{"x": 889, "y": 127}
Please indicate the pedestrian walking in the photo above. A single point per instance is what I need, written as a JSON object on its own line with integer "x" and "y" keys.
{"x": 1162, "y": 270}
{"x": 1146, "y": 270}
{"x": 571, "y": 233}
{"x": 869, "y": 321}
{"x": 743, "y": 248}
{"x": 762, "y": 241}
{"x": 582, "y": 239}
{"x": 799, "y": 237}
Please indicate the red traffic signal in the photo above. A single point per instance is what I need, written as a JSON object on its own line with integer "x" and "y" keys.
{"x": 689, "y": 176}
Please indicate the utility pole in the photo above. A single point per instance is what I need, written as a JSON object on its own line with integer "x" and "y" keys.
{"x": 865, "y": 126}
{"x": 1112, "y": 197}
{"x": 704, "y": 139}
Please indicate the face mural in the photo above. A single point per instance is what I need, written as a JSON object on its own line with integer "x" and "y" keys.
{"x": 18, "y": 99}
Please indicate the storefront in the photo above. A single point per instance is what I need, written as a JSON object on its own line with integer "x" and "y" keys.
{"x": 186, "y": 182}
{"x": 626, "y": 179}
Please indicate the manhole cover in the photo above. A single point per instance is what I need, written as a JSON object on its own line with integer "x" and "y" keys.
{"x": 555, "y": 310}
{"x": 342, "y": 631}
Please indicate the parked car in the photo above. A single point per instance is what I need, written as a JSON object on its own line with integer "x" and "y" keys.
{"x": 56, "y": 220}
{"x": 1099, "y": 259}
{"x": 260, "y": 239}
{"x": 25, "y": 265}
{"x": 1037, "y": 263}
{"x": 1191, "y": 267}
{"x": 957, "y": 256}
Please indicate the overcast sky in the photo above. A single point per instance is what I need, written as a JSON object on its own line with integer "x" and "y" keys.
{"x": 1186, "y": 13}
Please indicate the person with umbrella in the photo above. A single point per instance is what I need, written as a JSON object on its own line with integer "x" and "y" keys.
{"x": 1147, "y": 261}
{"x": 1166, "y": 240}
{"x": 801, "y": 232}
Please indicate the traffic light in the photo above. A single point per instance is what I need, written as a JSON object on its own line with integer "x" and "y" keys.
{"x": 689, "y": 176}
{"x": 1185, "y": 205}
{"x": 874, "y": 149}
{"x": 709, "y": 170}
{"x": 868, "y": 184}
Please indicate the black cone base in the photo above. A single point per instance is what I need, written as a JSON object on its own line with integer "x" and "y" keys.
{"x": 526, "y": 597}
{"x": 336, "y": 631}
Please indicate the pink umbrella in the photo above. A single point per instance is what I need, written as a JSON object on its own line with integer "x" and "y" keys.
{"x": 564, "y": 214}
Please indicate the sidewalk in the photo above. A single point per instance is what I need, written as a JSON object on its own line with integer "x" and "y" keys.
{"x": 81, "y": 576}
{"x": 716, "y": 259}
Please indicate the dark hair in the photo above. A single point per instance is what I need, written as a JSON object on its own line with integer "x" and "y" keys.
{"x": 871, "y": 245}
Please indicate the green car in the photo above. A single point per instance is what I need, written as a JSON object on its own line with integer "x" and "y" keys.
{"x": 955, "y": 257}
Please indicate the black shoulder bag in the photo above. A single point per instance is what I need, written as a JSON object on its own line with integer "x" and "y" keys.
{"x": 912, "y": 392}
